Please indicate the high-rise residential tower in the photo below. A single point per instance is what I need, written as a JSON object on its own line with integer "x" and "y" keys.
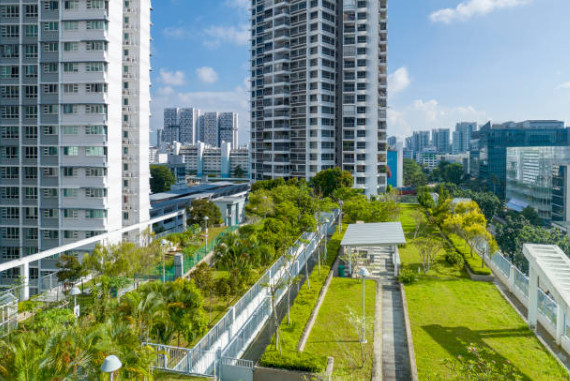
{"x": 319, "y": 87}
{"x": 440, "y": 140}
{"x": 461, "y": 139}
{"x": 74, "y": 122}
{"x": 228, "y": 125}
{"x": 210, "y": 129}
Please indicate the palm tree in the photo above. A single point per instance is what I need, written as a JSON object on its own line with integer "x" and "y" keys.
{"x": 20, "y": 357}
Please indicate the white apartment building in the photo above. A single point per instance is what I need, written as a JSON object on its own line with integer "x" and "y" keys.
{"x": 318, "y": 89}
{"x": 74, "y": 123}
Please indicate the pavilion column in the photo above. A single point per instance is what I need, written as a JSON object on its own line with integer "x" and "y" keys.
{"x": 25, "y": 274}
{"x": 560, "y": 322}
{"x": 532, "y": 297}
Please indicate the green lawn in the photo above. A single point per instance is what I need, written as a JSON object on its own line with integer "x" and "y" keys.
{"x": 173, "y": 377}
{"x": 449, "y": 312}
{"x": 333, "y": 335}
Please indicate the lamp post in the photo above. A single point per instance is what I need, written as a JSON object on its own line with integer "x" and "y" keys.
{"x": 340, "y": 216}
{"x": 163, "y": 245}
{"x": 363, "y": 272}
{"x": 206, "y": 218}
{"x": 111, "y": 365}
{"x": 75, "y": 291}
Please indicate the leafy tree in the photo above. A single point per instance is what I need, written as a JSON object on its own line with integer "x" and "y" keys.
{"x": 424, "y": 197}
{"x": 531, "y": 216}
{"x": 329, "y": 180}
{"x": 201, "y": 208}
{"x": 508, "y": 235}
{"x": 161, "y": 179}
{"x": 71, "y": 269}
{"x": 488, "y": 202}
{"x": 428, "y": 248}
{"x": 239, "y": 172}
{"x": 413, "y": 174}
{"x": 448, "y": 172}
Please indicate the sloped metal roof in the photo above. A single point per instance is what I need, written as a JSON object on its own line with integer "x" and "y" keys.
{"x": 553, "y": 268}
{"x": 375, "y": 234}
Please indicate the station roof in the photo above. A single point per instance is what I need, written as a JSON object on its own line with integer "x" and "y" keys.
{"x": 374, "y": 234}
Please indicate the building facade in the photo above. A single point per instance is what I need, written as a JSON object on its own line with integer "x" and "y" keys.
{"x": 461, "y": 138}
{"x": 74, "y": 123}
{"x": 228, "y": 128}
{"x": 225, "y": 161}
{"x": 319, "y": 86}
{"x": 440, "y": 140}
{"x": 420, "y": 141}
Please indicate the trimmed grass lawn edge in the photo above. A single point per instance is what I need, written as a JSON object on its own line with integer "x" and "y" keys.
{"x": 411, "y": 351}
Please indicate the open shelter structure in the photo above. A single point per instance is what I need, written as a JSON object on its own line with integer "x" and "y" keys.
{"x": 372, "y": 244}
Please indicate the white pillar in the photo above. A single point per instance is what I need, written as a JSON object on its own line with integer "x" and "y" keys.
{"x": 532, "y": 297}
{"x": 560, "y": 323}
{"x": 511, "y": 283}
{"x": 25, "y": 273}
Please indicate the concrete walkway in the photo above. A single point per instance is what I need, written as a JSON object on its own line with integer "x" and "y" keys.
{"x": 394, "y": 357}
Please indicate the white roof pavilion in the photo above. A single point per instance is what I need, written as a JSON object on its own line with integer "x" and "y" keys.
{"x": 374, "y": 234}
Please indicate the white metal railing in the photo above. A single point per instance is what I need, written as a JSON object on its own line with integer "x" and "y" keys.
{"x": 231, "y": 336}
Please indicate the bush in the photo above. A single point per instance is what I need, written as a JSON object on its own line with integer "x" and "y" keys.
{"x": 455, "y": 259}
{"x": 293, "y": 360}
{"x": 407, "y": 276}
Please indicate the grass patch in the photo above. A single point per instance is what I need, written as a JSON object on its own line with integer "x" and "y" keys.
{"x": 449, "y": 312}
{"x": 300, "y": 312}
{"x": 162, "y": 376}
{"x": 334, "y": 335}
{"x": 473, "y": 260}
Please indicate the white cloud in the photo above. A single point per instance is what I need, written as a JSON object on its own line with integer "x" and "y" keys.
{"x": 470, "y": 8}
{"x": 236, "y": 100}
{"x": 565, "y": 85}
{"x": 172, "y": 78}
{"x": 176, "y": 32}
{"x": 423, "y": 115}
{"x": 207, "y": 75}
{"x": 219, "y": 34}
{"x": 398, "y": 81}
{"x": 240, "y": 4}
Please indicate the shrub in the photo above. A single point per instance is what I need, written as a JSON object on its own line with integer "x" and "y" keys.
{"x": 407, "y": 276}
{"x": 455, "y": 259}
{"x": 294, "y": 360}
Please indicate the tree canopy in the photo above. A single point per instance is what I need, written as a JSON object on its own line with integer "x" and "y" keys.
{"x": 202, "y": 207}
{"x": 329, "y": 180}
{"x": 413, "y": 174}
{"x": 161, "y": 179}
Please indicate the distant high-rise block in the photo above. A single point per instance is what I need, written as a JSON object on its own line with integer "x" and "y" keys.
{"x": 189, "y": 126}
{"x": 228, "y": 126}
{"x": 318, "y": 89}
{"x": 462, "y": 136}
{"x": 440, "y": 140}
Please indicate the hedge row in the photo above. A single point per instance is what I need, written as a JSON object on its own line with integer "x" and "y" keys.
{"x": 473, "y": 261}
{"x": 300, "y": 312}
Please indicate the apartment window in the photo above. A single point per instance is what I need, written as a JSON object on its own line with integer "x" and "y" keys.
{"x": 96, "y": 88}
{"x": 96, "y": 25}
{"x": 31, "y": 10}
{"x": 49, "y": 130}
{"x": 51, "y": 5}
{"x": 96, "y": 130}
{"x": 69, "y": 171}
{"x": 94, "y": 151}
{"x": 49, "y": 109}
{"x": 9, "y": 173}
{"x": 95, "y": 172}
{"x": 50, "y": 213}
{"x": 11, "y": 193}
{"x": 70, "y": 25}
{"x": 50, "y": 47}
{"x": 31, "y": 193}
{"x": 70, "y": 130}
{"x": 31, "y": 92}
{"x": 50, "y": 68}
{"x": 31, "y": 71}
{"x": 9, "y": 112}
{"x": 10, "y": 92}
{"x": 70, "y": 109}
{"x": 96, "y": 67}
{"x": 95, "y": 192}
{"x": 70, "y": 193}
{"x": 71, "y": 67}
{"x": 30, "y": 173}
{"x": 49, "y": 171}
{"x": 96, "y": 4}
{"x": 51, "y": 26}
{"x": 9, "y": 152}
{"x": 30, "y": 152}
{"x": 10, "y": 11}
{"x": 9, "y": 72}
{"x": 9, "y": 132}
{"x": 31, "y": 112}
{"x": 96, "y": 109}
{"x": 71, "y": 5}
{"x": 31, "y": 51}
{"x": 70, "y": 88}
{"x": 70, "y": 151}
{"x": 71, "y": 46}
{"x": 96, "y": 45}
{"x": 10, "y": 253}
{"x": 31, "y": 214}
{"x": 10, "y": 31}
{"x": 50, "y": 234}
{"x": 95, "y": 214}
{"x": 70, "y": 213}
{"x": 50, "y": 151}
{"x": 10, "y": 233}
{"x": 9, "y": 51}
{"x": 49, "y": 193}
{"x": 71, "y": 234}
{"x": 31, "y": 30}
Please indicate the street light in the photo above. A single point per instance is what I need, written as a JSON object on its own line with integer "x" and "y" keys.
{"x": 206, "y": 218}
{"x": 74, "y": 292}
{"x": 340, "y": 216}
{"x": 363, "y": 272}
{"x": 111, "y": 365}
{"x": 163, "y": 245}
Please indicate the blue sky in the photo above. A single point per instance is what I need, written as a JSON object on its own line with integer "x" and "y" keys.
{"x": 449, "y": 60}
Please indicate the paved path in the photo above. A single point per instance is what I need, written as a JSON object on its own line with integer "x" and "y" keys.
{"x": 395, "y": 358}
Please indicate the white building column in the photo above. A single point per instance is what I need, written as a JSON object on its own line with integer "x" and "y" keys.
{"x": 25, "y": 274}
{"x": 560, "y": 322}
{"x": 532, "y": 298}
{"x": 511, "y": 284}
